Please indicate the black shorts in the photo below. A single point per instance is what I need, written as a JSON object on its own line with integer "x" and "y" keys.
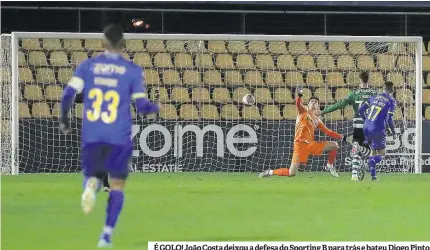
{"x": 358, "y": 136}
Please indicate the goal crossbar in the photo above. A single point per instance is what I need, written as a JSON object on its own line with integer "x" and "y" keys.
{"x": 146, "y": 36}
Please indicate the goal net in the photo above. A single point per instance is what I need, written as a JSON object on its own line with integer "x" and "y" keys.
{"x": 203, "y": 125}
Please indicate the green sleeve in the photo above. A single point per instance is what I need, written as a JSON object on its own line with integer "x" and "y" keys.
{"x": 349, "y": 99}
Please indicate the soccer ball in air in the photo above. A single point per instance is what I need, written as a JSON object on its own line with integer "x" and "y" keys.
{"x": 248, "y": 99}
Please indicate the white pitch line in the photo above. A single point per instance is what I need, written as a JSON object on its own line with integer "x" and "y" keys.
{"x": 406, "y": 154}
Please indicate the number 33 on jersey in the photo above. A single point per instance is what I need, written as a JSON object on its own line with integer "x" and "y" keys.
{"x": 110, "y": 84}
{"x": 111, "y": 97}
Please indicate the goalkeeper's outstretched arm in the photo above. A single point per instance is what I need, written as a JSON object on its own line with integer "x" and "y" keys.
{"x": 330, "y": 132}
{"x": 340, "y": 104}
{"x": 299, "y": 101}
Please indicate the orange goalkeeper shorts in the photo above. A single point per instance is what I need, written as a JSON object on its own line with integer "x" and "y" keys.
{"x": 302, "y": 150}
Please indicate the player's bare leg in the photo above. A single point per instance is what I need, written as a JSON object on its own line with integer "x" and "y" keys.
{"x": 376, "y": 157}
{"x": 88, "y": 198}
{"x": 113, "y": 210}
{"x": 331, "y": 147}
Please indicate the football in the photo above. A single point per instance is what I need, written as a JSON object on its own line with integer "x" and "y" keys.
{"x": 248, "y": 99}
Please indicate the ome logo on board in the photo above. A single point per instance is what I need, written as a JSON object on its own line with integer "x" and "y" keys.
{"x": 223, "y": 141}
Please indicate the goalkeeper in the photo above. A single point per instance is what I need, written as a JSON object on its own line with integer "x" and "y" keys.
{"x": 304, "y": 143}
{"x": 355, "y": 98}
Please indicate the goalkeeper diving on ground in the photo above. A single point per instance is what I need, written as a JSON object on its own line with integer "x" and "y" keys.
{"x": 355, "y": 98}
{"x": 109, "y": 83}
{"x": 378, "y": 114}
{"x": 304, "y": 143}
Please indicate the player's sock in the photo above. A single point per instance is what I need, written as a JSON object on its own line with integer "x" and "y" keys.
{"x": 113, "y": 209}
{"x": 105, "y": 238}
{"x": 356, "y": 160}
{"x": 331, "y": 158}
{"x": 330, "y": 162}
{"x": 356, "y": 163}
{"x": 365, "y": 152}
{"x": 281, "y": 172}
{"x": 373, "y": 161}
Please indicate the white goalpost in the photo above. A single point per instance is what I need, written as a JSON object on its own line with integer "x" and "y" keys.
{"x": 203, "y": 125}
{"x": 7, "y": 143}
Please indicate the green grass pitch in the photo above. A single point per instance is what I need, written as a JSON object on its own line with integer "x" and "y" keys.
{"x": 42, "y": 211}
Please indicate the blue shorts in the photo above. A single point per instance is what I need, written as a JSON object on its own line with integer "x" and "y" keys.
{"x": 99, "y": 158}
{"x": 375, "y": 139}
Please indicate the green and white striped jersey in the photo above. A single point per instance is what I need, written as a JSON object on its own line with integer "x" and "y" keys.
{"x": 354, "y": 98}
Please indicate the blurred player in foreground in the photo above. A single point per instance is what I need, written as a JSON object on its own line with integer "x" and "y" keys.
{"x": 109, "y": 83}
{"x": 355, "y": 98}
{"x": 377, "y": 113}
{"x": 304, "y": 143}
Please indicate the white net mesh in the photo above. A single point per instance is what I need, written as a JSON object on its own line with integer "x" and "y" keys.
{"x": 6, "y": 108}
{"x": 203, "y": 125}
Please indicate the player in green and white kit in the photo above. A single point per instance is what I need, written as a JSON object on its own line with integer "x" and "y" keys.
{"x": 355, "y": 98}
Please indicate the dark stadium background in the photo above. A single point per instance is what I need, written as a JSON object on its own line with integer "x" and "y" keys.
{"x": 395, "y": 18}
{"x": 376, "y": 18}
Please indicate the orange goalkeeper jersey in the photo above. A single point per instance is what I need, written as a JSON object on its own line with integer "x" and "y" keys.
{"x": 306, "y": 124}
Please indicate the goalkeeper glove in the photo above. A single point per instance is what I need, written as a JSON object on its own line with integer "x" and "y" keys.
{"x": 300, "y": 92}
{"x": 348, "y": 139}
